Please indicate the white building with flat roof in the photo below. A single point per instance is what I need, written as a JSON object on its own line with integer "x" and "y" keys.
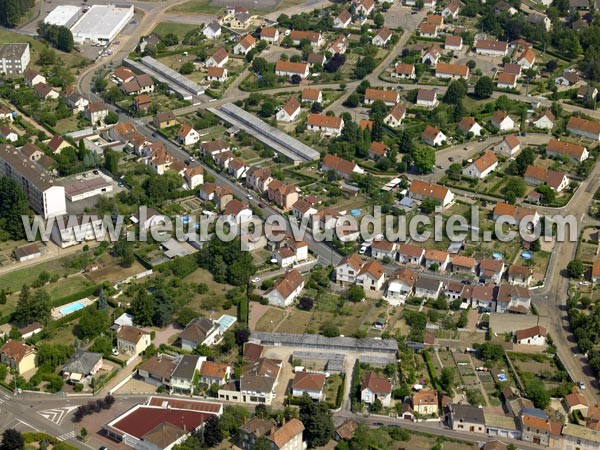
{"x": 45, "y": 196}
{"x": 14, "y": 58}
{"x": 102, "y": 23}
{"x": 64, "y": 15}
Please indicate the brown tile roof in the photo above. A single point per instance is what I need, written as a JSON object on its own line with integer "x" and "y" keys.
{"x": 485, "y": 292}
{"x": 376, "y": 384}
{"x": 398, "y": 111}
{"x": 353, "y": 260}
{"x": 425, "y": 397}
{"x": 312, "y": 36}
{"x": 344, "y": 16}
{"x": 310, "y": 94}
{"x": 374, "y": 269}
{"x": 521, "y": 271}
{"x": 321, "y": 120}
{"x": 463, "y": 261}
{"x": 505, "y": 209}
{"x": 346, "y": 429}
{"x": 492, "y": 265}
{"x": 383, "y": 245}
{"x": 308, "y": 381}
{"x": 430, "y": 132}
{"x": 247, "y": 41}
{"x": 97, "y": 107}
{"x": 16, "y": 350}
{"x": 130, "y": 334}
{"x": 405, "y": 275}
{"x": 434, "y": 19}
{"x": 507, "y": 78}
{"x": 410, "y": 250}
{"x": 528, "y": 54}
{"x": 159, "y": 366}
{"x": 123, "y": 73}
{"x": 427, "y": 95}
{"x": 288, "y": 283}
{"x": 436, "y": 255}
{"x": 212, "y": 146}
{"x": 380, "y": 94}
{"x": 545, "y": 113}
{"x": 268, "y": 32}
{"x": 214, "y": 71}
{"x": 286, "y": 432}
{"x": 378, "y": 148}
{"x": 291, "y": 106}
{"x": 487, "y": 160}
{"x": 404, "y": 69}
{"x": 530, "y": 332}
{"x": 552, "y": 178}
{"x": 234, "y": 207}
{"x": 385, "y": 33}
{"x": 427, "y": 28}
{"x": 512, "y": 68}
{"x": 499, "y": 116}
{"x": 453, "y": 41}
{"x": 578, "y": 123}
{"x": 252, "y": 351}
{"x": 565, "y": 148}
{"x": 213, "y": 370}
{"x": 491, "y": 45}
{"x": 596, "y": 269}
{"x": 219, "y": 55}
{"x": 512, "y": 141}
{"x": 434, "y": 191}
{"x": 338, "y": 164}
{"x": 536, "y": 423}
{"x": 467, "y": 123}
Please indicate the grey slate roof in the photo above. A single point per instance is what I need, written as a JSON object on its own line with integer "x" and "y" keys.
{"x": 82, "y": 362}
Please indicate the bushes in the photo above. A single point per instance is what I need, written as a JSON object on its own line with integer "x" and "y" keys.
{"x": 243, "y": 311}
{"x": 93, "y": 406}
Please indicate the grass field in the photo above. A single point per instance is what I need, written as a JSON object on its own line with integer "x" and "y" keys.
{"x": 13, "y": 281}
{"x": 270, "y": 319}
{"x": 196, "y": 7}
{"x": 67, "y": 286}
{"x": 178, "y": 29}
{"x": 66, "y": 59}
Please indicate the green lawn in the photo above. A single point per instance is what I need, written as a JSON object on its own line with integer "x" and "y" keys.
{"x": 68, "y": 286}
{"x": 179, "y": 29}
{"x": 197, "y": 7}
{"x": 13, "y": 281}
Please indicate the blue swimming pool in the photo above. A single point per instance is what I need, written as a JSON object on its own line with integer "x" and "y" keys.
{"x": 355, "y": 212}
{"x": 526, "y": 255}
{"x": 69, "y": 309}
{"x": 185, "y": 219}
{"x": 226, "y": 321}
{"x": 497, "y": 255}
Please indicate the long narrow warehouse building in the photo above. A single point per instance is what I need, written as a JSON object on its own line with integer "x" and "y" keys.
{"x": 279, "y": 141}
{"x": 315, "y": 341}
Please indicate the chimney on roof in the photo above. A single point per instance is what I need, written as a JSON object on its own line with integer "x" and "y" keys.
{"x": 273, "y": 429}
{"x": 283, "y": 422}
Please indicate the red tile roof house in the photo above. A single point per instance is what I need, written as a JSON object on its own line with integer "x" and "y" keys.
{"x": 596, "y": 271}
{"x": 395, "y": 116}
{"x": 491, "y": 48}
{"x": 531, "y": 336}
{"x": 290, "y": 111}
{"x": 507, "y": 80}
{"x": 244, "y": 45}
{"x": 463, "y": 264}
{"x": 348, "y": 268}
{"x": 383, "y": 249}
{"x": 519, "y": 275}
{"x": 316, "y": 39}
{"x": 584, "y": 128}
{"x": 339, "y": 45}
{"x": 400, "y": 286}
{"x": 371, "y": 276}
{"x": 390, "y": 98}
{"x": 213, "y": 148}
{"x": 491, "y": 270}
{"x": 382, "y": 37}
{"x": 343, "y": 19}
{"x": 269, "y": 34}
{"x": 451, "y": 71}
{"x": 218, "y": 59}
{"x": 216, "y": 74}
{"x": 258, "y": 178}
{"x": 160, "y": 423}
{"x": 342, "y": 167}
{"x": 312, "y": 95}
{"x": 402, "y": 70}
{"x": 454, "y": 43}
{"x": 483, "y": 296}
{"x": 515, "y": 299}
{"x": 310, "y": 383}
{"x": 573, "y": 401}
{"x": 421, "y": 190}
{"x": 575, "y": 152}
{"x": 427, "y": 98}
{"x": 502, "y": 121}
{"x": 286, "y": 289}
{"x": 433, "y": 136}
{"x": 441, "y": 258}
{"x": 377, "y": 150}
{"x": 428, "y": 30}
{"x": 469, "y": 125}
{"x": 410, "y": 254}
{"x": 508, "y": 146}
{"x": 482, "y": 166}
{"x": 288, "y": 69}
{"x": 328, "y": 125}
{"x": 376, "y": 388}
{"x": 536, "y": 176}
{"x": 516, "y": 212}
{"x": 282, "y": 194}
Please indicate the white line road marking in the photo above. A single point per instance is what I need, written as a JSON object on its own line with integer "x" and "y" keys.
{"x": 56, "y": 415}
{"x": 66, "y": 436}
{"x": 28, "y": 425}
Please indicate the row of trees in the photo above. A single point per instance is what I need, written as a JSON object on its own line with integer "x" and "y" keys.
{"x": 14, "y": 206}
{"x": 11, "y": 11}
{"x": 59, "y": 36}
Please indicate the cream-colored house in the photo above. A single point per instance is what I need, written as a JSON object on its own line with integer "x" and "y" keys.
{"x": 18, "y": 355}
{"x": 132, "y": 340}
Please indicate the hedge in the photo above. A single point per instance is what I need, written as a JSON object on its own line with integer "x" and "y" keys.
{"x": 76, "y": 296}
{"x": 243, "y": 311}
{"x": 115, "y": 360}
{"x": 432, "y": 373}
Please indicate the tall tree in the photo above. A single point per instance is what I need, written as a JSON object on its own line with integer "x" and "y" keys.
{"x": 317, "y": 420}
{"x": 142, "y": 308}
{"x": 12, "y": 439}
{"x": 13, "y": 205}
